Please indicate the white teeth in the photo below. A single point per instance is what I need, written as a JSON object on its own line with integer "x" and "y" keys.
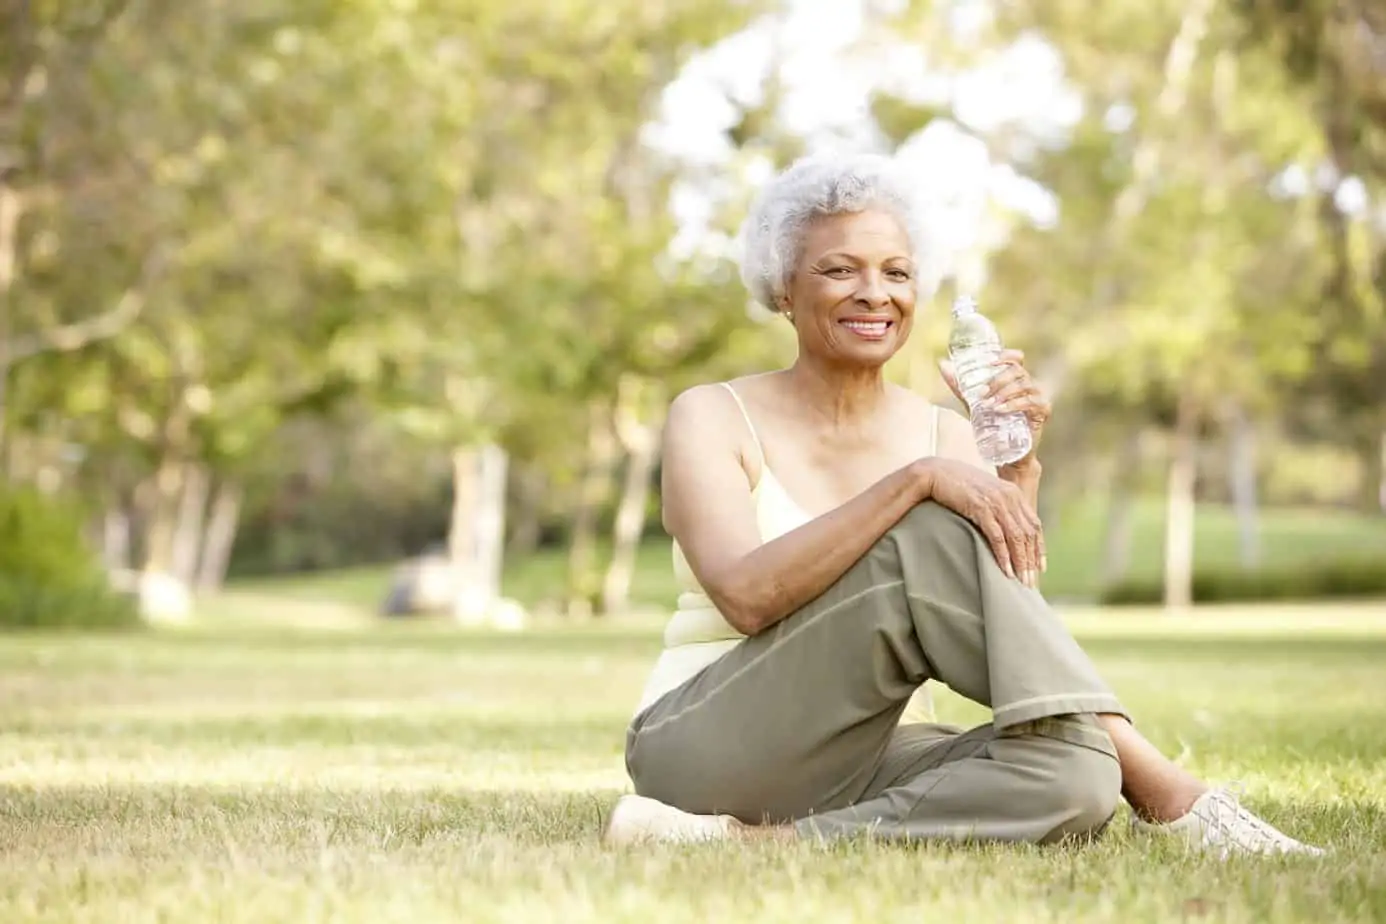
{"x": 866, "y": 327}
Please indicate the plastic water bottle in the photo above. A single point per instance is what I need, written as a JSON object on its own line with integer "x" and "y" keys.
{"x": 973, "y": 346}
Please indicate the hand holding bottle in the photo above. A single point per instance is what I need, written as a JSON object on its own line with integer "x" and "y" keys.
{"x": 1013, "y": 390}
{"x": 1007, "y": 407}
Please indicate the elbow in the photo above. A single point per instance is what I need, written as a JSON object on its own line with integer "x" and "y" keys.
{"x": 744, "y": 604}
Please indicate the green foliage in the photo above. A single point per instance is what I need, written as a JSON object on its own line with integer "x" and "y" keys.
{"x": 50, "y": 577}
{"x": 1364, "y": 578}
{"x": 442, "y": 220}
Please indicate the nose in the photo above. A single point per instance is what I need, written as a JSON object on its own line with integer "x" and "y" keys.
{"x": 872, "y": 293}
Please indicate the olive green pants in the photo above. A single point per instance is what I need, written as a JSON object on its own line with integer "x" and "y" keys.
{"x": 801, "y": 722}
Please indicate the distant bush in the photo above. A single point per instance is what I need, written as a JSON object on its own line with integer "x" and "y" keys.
{"x": 1311, "y": 581}
{"x": 49, "y": 578}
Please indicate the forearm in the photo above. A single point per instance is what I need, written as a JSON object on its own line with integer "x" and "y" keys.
{"x": 1026, "y": 477}
{"x": 782, "y": 575}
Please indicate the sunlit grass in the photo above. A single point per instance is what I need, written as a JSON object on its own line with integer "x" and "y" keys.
{"x": 408, "y": 773}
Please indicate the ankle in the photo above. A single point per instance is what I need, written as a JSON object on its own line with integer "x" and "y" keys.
{"x": 1167, "y": 805}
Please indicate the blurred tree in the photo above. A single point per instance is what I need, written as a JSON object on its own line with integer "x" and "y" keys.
{"x": 1333, "y": 49}
{"x": 1146, "y": 303}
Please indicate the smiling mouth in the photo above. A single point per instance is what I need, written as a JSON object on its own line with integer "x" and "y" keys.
{"x": 868, "y": 330}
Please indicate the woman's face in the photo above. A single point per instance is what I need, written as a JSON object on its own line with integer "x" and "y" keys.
{"x": 853, "y": 292}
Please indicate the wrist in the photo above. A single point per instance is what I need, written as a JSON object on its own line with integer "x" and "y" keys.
{"x": 1026, "y": 470}
{"x": 922, "y": 473}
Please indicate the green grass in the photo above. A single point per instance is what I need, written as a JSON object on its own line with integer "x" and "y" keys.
{"x": 1289, "y": 537}
{"x": 412, "y": 773}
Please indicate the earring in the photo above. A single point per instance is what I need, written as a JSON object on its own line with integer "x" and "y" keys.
{"x": 789, "y": 316}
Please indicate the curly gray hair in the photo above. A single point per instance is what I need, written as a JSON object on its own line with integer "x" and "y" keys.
{"x": 813, "y": 187}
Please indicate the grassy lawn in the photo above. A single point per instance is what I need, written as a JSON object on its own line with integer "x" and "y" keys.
{"x": 411, "y": 773}
{"x": 1288, "y": 537}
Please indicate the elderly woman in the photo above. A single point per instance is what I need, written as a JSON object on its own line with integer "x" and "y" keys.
{"x": 840, "y": 542}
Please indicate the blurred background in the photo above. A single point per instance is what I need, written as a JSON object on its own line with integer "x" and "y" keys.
{"x": 373, "y": 307}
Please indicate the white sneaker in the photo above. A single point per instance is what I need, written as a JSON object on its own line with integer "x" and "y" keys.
{"x": 1219, "y": 823}
{"x": 638, "y": 819}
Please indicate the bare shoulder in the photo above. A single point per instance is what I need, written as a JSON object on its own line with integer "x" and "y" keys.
{"x": 952, "y": 425}
{"x": 706, "y": 418}
{"x": 698, "y": 410}
{"x": 917, "y": 406}
{"x": 704, "y": 484}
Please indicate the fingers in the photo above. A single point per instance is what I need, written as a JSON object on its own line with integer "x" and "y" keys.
{"x": 1014, "y": 393}
{"x": 1021, "y": 538}
{"x": 999, "y": 541}
{"x": 1007, "y": 377}
{"x": 1014, "y": 533}
{"x": 1031, "y": 403}
{"x": 1013, "y": 389}
{"x": 1025, "y": 536}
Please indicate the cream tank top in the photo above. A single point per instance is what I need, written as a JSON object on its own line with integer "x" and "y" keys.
{"x": 696, "y": 634}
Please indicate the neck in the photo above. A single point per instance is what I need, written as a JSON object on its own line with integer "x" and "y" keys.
{"x": 839, "y": 395}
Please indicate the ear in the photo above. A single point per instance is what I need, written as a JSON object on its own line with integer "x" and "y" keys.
{"x": 784, "y": 306}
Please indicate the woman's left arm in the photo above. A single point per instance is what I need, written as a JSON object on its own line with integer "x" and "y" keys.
{"x": 1012, "y": 390}
{"x": 1025, "y": 475}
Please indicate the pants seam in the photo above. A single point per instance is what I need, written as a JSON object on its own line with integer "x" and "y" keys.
{"x": 948, "y": 767}
{"x": 1050, "y": 698}
{"x": 951, "y": 765}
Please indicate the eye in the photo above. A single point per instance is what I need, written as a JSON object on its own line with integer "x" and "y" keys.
{"x": 838, "y": 272}
{"x": 899, "y": 275}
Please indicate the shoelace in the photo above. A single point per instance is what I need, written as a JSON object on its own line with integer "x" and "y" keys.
{"x": 1233, "y": 822}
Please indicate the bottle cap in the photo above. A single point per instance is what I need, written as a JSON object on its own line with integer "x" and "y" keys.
{"x": 964, "y": 304}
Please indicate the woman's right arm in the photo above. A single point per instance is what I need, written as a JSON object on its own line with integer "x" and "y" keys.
{"x": 707, "y": 507}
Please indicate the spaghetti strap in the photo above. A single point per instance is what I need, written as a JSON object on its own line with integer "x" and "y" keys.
{"x": 933, "y": 430}
{"x": 755, "y": 437}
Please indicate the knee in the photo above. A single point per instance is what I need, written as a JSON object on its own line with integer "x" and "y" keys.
{"x": 931, "y": 525}
{"x": 931, "y": 518}
{"x": 1086, "y": 790}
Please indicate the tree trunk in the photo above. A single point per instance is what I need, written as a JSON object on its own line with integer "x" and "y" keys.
{"x": 186, "y": 551}
{"x": 163, "y": 516}
{"x": 11, "y": 206}
{"x": 641, "y": 443}
{"x": 1381, "y": 475}
{"x": 1179, "y": 505}
{"x": 167, "y": 491}
{"x": 1116, "y": 543}
{"x": 115, "y": 536}
{"x": 462, "y": 533}
{"x": 220, "y": 536}
{"x": 490, "y": 519}
{"x": 1241, "y": 474}
{"x": 476, "y": 539}
{"x": 525, "y": 515}
{"x": 599, "y": 472}
{"x": 1371, "y": 486}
